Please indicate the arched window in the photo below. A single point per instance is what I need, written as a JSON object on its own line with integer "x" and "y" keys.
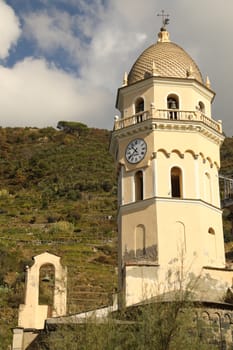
{"x": 172, "y": 105}
{"x": 46, "y": 286}
{"x": 176, "y": 182}
{"x": 201, "y": 107}
{"x": 180, "y": 237}
{"x": 139, "y": 107}
{"x": 138, "y": 178}
{"x": 140, "y": 241}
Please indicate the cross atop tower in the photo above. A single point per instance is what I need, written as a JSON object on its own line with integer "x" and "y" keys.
{"x": 165, "y": 19}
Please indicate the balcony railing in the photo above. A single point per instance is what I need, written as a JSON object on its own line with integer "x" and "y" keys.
{"x": 168, "y": 114}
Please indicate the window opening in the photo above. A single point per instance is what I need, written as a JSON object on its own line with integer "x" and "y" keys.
{"x": 172, "y": 105}
{"x": 201, "y": 107}
{"x": 47, "y": 286}
{"x": 139, "y": 185}
{"x": 176, "y": 182}
{"x": 139, "y": 107}
{"x": 140, "y": 242}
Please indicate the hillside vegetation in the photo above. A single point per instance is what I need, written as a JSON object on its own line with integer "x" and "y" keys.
{"x": 58, "y": 194}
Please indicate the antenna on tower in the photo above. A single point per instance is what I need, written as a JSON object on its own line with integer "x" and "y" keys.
{"x": 165, "y": 19}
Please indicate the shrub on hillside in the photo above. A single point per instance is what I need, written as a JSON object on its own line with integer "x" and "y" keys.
{"x": 61, "y": 227}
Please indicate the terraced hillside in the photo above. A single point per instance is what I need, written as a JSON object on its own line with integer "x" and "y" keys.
{"x": 57, "y": 194}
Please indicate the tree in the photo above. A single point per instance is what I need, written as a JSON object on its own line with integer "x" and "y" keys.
{"x": 169, "y": 321}
{"x": 154, "y": 325}
{"x": 73, "y": 127}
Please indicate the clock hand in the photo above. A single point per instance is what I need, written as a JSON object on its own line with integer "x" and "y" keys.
{"x": 135, "y": 149}
{"x": 132, "y": 154}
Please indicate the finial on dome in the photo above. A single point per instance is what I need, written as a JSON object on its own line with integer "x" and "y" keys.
{"x": 163, "y": 35}
{"x": 207, "y": 82}
{"x": 155, "y": 72}
{"x": 125, "y": 79}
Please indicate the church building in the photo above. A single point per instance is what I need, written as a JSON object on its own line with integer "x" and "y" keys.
{"x": 166, "y": 147}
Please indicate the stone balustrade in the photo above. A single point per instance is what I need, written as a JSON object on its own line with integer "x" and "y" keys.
{"x": 168, "y": 114}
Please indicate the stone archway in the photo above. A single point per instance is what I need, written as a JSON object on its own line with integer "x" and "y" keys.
{"x": 32, "y": 314}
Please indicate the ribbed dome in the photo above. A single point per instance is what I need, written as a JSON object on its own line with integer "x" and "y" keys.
{"x": 170, "y": 60}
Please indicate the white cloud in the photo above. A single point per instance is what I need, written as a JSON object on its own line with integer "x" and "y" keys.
{"x": 9, "y": 29}
{"x": 35, "y": 93}
{"x": 103, "y": 41}
{"x": 101, "y": 61}
{"x": 52, "y": 31}
{"x": 96, "y": 40}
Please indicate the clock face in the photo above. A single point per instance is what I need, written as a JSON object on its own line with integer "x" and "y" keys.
{"x": 135, "y": 151}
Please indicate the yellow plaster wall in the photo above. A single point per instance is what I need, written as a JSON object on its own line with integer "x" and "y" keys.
{"x": 140, "y": 214}
{"x": 177, "y": 227}
{"x": 197, "y": 218}
{"x": 190, "y": 151}
{"x": 155, "y": 91}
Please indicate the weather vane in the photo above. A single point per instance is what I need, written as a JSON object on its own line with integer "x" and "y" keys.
{"x": 165, "y": 18}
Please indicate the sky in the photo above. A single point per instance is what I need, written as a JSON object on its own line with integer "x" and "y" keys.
{"x": 65, "y": 59}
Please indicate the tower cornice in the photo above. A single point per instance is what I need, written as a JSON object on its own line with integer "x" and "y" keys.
{"x": 157, "y": 124}
{"x": 142, "y": 205}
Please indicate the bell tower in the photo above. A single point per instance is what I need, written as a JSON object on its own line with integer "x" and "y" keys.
{"x": 166, "y": 149}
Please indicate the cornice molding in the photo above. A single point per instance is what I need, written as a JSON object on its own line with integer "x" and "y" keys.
{"x": 140, "y": 205}
{"x": 172, "y": 126}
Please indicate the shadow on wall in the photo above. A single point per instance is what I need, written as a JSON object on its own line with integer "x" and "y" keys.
{"x": 148, "y": 254}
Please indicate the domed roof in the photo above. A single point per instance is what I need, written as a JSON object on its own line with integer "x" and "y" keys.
{"x": 167, "y": 58}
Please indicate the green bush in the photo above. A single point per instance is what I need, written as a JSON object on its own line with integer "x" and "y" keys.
{"x": 160, "y": 326}
{"x": 61, "y": 227}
